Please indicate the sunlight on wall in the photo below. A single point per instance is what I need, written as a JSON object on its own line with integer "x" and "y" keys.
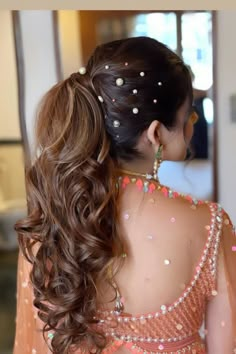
{"x": 9, "y": 117}
{"x": 70, "y": 42}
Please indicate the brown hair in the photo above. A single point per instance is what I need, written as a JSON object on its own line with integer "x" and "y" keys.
{"x": 71, "y": 187}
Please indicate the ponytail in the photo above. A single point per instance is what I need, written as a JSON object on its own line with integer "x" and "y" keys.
{"x": 72, "y": 212}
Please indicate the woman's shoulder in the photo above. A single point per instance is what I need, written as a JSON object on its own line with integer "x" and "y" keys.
{"x": 203, "y": 215}
{"x": 192, "y": 212}
{"x": 187, "y": 201}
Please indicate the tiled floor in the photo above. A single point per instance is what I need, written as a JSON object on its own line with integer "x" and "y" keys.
{"x": 8, "y": 266}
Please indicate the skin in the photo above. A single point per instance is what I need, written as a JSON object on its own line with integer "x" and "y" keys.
{"x": 175, "y": 142}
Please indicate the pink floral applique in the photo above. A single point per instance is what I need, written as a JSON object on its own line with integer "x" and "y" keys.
{"x": 126, "y": 180}
{"x": 139, "y": 184}
{"x": 165, "y": 191}
{"x": 151, "y": 187}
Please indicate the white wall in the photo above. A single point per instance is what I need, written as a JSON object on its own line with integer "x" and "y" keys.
{"x": 226, "y": 83}
{"x": 39, "y": 59}
{"x": 9, "y": 117}
{"x": 12, "y": 176}
{"x": 70, "y": 41}
{"x": 12, "y": 184}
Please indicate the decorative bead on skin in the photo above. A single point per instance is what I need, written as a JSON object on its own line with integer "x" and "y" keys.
{"x": 150, "y": 237}
{"x": 167, "y": 262}
{"x": 126, "y": 216}
{"x": 222, "y": 323}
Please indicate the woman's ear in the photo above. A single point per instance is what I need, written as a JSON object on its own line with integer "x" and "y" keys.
{"x": 153, "y": 133}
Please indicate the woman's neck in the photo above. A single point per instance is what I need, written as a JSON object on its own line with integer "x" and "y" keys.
{"x": 141, "y": 166}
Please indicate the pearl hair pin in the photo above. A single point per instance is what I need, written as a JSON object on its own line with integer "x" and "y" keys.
{"x": 135, "y": 91}
{"x": 159, "y": 83}
{"x": 135, "y": 110}
{"x": 106, "y": 67}
{"x": 119, "y": 81}
{"x": 100, "y": 99}
{"x": 142, "y": 73}
{"x": 116, "y": 124}
{"x": 82, "y": 70}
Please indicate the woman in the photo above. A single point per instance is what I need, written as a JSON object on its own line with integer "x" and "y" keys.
{"x": 118, "y": 262}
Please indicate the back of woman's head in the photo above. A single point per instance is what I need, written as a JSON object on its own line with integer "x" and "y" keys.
{"x": 154, "y": 83}
{"x": 84, "y": 125}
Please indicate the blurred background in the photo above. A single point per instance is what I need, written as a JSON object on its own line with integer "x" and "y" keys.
{"x": 38, "y": 48}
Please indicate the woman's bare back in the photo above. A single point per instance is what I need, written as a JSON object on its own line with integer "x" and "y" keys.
{"x": 165, "y": 238}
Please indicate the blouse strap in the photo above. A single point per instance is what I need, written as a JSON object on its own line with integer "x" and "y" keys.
{"x": 210, "y": 271}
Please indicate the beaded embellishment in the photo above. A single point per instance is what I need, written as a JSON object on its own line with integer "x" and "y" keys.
{"x": 148, "y": 186}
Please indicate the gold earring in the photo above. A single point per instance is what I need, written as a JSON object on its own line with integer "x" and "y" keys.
{"x": 157, "y": 162}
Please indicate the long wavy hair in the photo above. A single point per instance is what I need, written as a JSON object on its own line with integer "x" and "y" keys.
{"x": 71, "y": 233}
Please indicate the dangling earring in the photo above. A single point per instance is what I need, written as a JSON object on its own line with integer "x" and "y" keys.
{"x": 157, "y": 162}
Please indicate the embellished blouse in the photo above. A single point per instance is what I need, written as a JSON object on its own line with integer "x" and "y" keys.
{"x": 173, "y": 327}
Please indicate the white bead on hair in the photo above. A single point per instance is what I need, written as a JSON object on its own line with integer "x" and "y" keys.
{"x": 116, "y": 124}
{"x": 119, "y": 81}
{"x": 135, "y": 110}
{"x": 82, "y": 70}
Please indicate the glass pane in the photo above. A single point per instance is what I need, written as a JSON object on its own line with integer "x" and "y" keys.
{"x": 161, "y": 26}
{"x": 197, "y": 47}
